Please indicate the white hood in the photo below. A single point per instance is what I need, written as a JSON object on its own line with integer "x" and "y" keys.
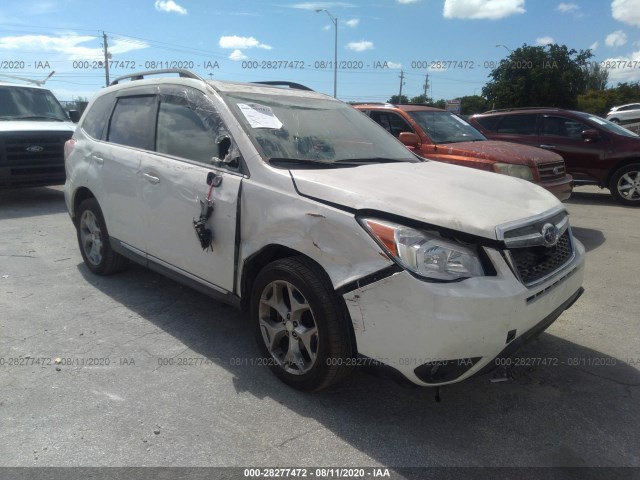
{"x": 459, "y": 198}
{"x": 39, "y": 126}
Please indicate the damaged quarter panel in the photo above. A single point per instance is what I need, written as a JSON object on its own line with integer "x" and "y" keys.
{"x": 330, "y": 236}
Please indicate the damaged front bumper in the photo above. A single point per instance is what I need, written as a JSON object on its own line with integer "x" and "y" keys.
{"x": 440, "y": 333}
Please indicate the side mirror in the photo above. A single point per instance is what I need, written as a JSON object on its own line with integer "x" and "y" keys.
{"x": 74, "y": 116}
{"x": 409, "y": 139}
{"x": 590, "y": 135}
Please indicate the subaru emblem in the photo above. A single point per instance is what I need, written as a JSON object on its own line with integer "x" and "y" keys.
{"x": 34, "y": 149}
{"x": 550, "y": 235}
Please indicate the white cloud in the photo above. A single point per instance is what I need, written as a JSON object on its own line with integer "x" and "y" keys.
{"x": 616, "y": 39}
{"x": 237, "y": 55}
{"x": 545, "y": 40}
{"x": 623, "y": 69}
{"x": 627, "y": 11}
{"x": 567, "y": 7}
{"x": 353, "y": 23}
{"x": 482, "y": 9}
{"x": 327, "y": 27}
{"x": 236, "y": 42}
{"x": 69, "y": 45}
{"x": 360, "y": 46}
{"x": 169, "y": 6}
{"x": 394, "y": 65}
{"x": 594, "y": 46}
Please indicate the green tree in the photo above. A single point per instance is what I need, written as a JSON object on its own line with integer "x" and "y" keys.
{"x": 552, "y": 76}
{"x": 396, "y": 99}
{"x": 473, "y": 104}
{"x": 421, "y": 99}
{"x": 596, "y": 76}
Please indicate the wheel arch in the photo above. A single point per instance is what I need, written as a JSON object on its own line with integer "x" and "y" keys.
{"x": 80, "y": 195}
{"x": 621, "y": 164}
{"x": 270, "y": 253}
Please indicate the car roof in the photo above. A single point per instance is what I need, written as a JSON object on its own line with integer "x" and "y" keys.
{"x": 528, "y": 110}
{"x": 21, "y": 85}
{"x": 407, "y": 107}
{"x": 160, "y": 77}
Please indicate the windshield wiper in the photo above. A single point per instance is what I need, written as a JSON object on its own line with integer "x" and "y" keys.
{"x": 304, "y": 163}
{"x": 36, "y": 117}
{"x": 369, "y": 160}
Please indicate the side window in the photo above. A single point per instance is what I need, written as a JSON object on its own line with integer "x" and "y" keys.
{"x": 133, "y": 121}
{"x": 489, "y": 122}
{"x": 189, "y": 127}
{"x": 182, "y": 133}
{"x": 398, "y": 125}
{"x": 518, "y": 125}
{"x": 381, "y": 119}
{"x": 95, "y": 121}
{"x": 563, "y": 127}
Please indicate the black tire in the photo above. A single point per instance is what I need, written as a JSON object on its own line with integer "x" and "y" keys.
{"x": 615, "y": 120}
{"x": 625, "y": 185}
{"x": 93, "y": 240}
{"x": 324, "y": 357}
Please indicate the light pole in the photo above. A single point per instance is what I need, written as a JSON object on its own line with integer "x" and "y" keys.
{"x": 500, "y": 45}
{"x": 335, "y": 50}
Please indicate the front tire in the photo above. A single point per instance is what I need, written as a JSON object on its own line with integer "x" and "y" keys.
{"x": 625, "y": 185}
{"x": 299, "y": 325}
{"x": 93, "y": 240}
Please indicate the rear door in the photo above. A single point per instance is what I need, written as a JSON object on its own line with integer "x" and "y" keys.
{"x": 117, "y": 165}
{"x": 191, "y": 141}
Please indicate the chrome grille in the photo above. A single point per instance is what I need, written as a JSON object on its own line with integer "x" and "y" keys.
{"x": 551, "y": 171}
{"x": 538, "y": 248}
{"x": 536, "y": 263}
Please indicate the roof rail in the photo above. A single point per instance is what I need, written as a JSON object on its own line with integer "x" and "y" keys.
{"x": 141, "y": 75}
{"x": 521, "y": 108}
{"x": 277, "y": 83}
{"x": 371, "y": 103}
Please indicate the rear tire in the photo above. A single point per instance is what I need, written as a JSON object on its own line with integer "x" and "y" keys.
{"x": 93, "y": 240}
{"x": 299, "y": 325}
{"x": 625, "y": 185}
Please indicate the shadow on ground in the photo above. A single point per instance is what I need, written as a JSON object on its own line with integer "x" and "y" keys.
{"x": 557, "y": 404}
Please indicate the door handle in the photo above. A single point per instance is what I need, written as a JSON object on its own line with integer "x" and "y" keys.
{"x": 151, "y": 178}
{"x": 547, "y": 146}
{"x": 98, "y": 159}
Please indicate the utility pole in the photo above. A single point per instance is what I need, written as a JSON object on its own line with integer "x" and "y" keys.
{"x": 401, "y": 83}
{"x": 106, "y": 59}
{"x": 426, "y": 86}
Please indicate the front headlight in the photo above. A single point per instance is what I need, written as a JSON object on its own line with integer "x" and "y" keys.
{"x": 518, "y": 171}
{"x": 425, "y": 253}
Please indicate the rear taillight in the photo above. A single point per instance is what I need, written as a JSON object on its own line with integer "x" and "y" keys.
{"x": 68, "y": 147}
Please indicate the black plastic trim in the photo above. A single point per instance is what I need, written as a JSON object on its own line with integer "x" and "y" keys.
{"x": 369, "y": 279}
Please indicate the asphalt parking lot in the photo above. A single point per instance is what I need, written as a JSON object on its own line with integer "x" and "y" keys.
{"x": 150, "y": 373}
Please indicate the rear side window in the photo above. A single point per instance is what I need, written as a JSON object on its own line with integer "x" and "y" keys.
{"x": 133, "y": 122}
{"x": 95, "y": 121}
{"x": 518, "y": 125}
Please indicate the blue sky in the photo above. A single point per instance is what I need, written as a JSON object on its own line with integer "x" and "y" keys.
{"x": 243, "y": 40}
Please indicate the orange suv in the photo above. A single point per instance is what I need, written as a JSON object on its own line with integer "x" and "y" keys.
{"x": 440, "y": 135}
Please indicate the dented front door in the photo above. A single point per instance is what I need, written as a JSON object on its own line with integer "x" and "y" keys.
{"x": 191, "y": 143}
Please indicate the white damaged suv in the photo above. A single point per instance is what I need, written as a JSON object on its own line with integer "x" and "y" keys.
{"x": 345, "y": 247}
